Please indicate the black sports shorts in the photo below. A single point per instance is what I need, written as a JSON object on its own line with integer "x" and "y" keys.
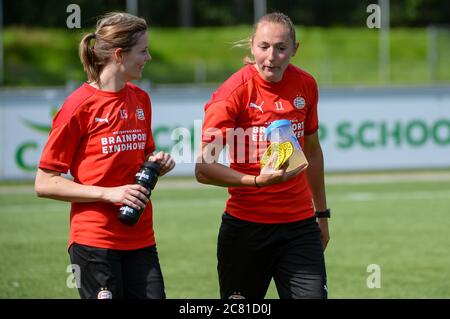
{"x": 251, "y": 254}
{"x": 108, "y": 273}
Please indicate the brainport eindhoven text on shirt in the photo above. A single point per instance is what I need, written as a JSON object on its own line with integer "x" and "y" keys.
{"x": 123, "y": 142}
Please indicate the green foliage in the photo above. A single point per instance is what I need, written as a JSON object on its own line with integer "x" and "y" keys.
{"x": 335, "y": 56}
{"x": 52, "y": 13}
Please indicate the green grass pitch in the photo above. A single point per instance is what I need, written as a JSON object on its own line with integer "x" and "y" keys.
{"x": 400, "y": 226}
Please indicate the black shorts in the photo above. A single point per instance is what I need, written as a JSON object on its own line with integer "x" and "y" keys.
{"x": 251, "y": 254}
{"x": 108, "y": 273}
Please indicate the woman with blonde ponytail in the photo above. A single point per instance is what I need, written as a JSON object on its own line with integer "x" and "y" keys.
{"x": 102, "y": 135}
{"x": 275, "y": 225}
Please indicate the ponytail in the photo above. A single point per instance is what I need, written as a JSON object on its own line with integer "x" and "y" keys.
{"x": 87, "y": 57}
{"x": 245, "y": 44}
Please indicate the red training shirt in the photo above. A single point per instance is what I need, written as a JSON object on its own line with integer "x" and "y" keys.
{"x": 103, "y": 138}
{"x": 248, "y": 102}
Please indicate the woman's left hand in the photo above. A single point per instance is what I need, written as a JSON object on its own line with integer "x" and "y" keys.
{"x": 164, "y": 160}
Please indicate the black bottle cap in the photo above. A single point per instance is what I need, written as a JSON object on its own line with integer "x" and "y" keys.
{"x": 153, "y": 166}
{"x": 128, "y": 219}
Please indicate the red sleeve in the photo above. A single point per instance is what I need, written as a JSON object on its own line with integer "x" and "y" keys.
{"x": 62, "y": 142}
{"x": 219, "y": 116}
{"x": 312, "y": 121}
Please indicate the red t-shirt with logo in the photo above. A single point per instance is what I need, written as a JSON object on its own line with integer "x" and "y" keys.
{"x": 102, "y": 138}
{"x": 247, "y": 102}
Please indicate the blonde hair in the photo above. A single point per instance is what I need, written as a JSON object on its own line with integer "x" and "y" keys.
{"x": 274, "y": 17}
{"x": 114, "y": 30}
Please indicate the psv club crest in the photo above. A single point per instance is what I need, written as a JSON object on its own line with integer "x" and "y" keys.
{"x": 299, "y": 102}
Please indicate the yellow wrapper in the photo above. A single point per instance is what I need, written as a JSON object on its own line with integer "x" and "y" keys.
{"x": 277, "y": 154}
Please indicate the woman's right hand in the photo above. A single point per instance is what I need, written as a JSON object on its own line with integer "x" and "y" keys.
{"x": 132, "y": 195}
{"x": 278, "y": 176}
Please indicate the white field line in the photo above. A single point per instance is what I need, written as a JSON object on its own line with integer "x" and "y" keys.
{"x": 387, "y": 178}
{"x": 338, "y": 179}
{"x": 162, "y": 184}
{"x": 220, "y": 202}
{"x": 347, "y": 197}
{"x": 161, "y": 203}
{"x": 388, "y": 196}
{"x": 27, "y": 208}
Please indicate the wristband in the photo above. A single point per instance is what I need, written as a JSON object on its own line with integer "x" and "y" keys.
{"x": 256, "y": 184}
{"x": 323, "y": 214}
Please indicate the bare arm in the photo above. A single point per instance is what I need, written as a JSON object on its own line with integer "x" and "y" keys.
{"x": 315, "y": 176}
{"x": 208, "y": 171}
{"x": 51, "y": 184}
{"x": 315, "y": 171}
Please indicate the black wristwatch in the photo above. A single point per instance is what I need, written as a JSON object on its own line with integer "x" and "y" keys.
{"x": 323, "y": 214}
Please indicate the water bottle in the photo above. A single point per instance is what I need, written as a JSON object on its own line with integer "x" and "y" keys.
{"x": 147, "y": 177}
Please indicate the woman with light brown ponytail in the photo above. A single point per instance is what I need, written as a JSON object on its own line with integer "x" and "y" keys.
{"x": 102, "y": 134}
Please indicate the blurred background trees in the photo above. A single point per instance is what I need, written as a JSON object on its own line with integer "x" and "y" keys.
{"x": 191, "y": 41}
{"x": 169, "y": 13}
